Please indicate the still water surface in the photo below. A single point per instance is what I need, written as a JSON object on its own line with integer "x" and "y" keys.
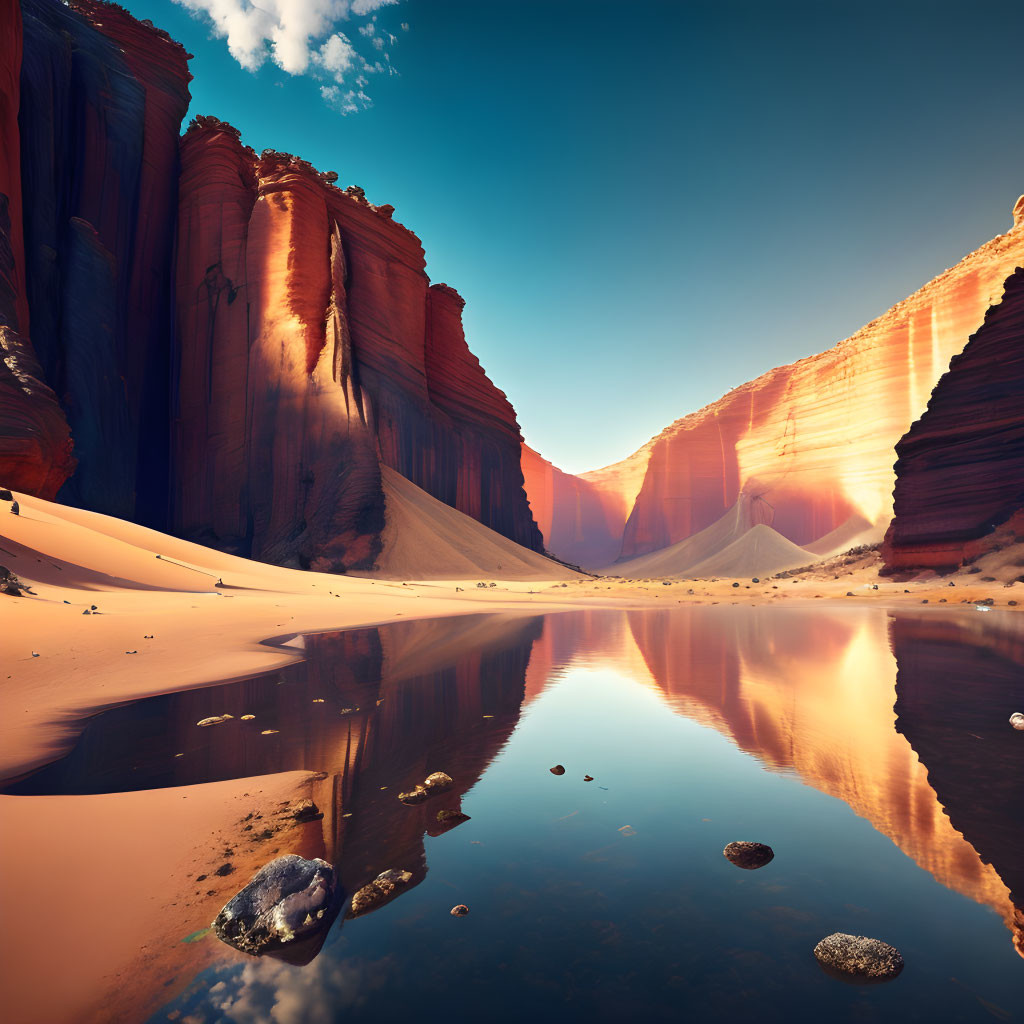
{"x": 871, "y": 750}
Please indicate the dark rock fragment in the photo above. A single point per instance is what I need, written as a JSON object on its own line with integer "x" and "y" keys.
{"x": 748, "y": 855}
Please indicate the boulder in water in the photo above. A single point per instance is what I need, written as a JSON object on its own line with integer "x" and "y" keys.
{"x": 379, "y": 891}
{"x": 748, "y": 855}
{"x": 858, "y": 958}
{"x": 287, "y": 904}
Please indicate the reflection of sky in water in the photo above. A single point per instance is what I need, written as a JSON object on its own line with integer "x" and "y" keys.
{"x": 572, "y": 919}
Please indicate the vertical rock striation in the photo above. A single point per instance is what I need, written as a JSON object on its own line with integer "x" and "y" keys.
{"x": 312, "y": 349}
{"x": 960, "y": 467}
{"x": 237, "y": 344}
{"x": 102, "y": 97}
{"x": 35, "y": 446}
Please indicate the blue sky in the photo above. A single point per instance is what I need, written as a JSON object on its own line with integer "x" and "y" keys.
{"x": 644, "y": 203}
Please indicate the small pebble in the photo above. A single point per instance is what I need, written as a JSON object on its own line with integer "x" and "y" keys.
{"x": 460, "y": 911}
{"x": 557, "y": 770}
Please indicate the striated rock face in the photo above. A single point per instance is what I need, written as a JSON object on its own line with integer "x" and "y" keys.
{"x": 247, "y": 391}
{"x": 814, "y": 438}
{"x": 102, "y": 97}
{"x": 274, "y": 456}
{"x": 582, "y": 517}
{"x": 35, "y": 448}
{"x": 312, "y": 345}
{"x": 960, "y": 471}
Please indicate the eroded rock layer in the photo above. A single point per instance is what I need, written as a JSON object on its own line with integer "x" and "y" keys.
{"x": 815, "y": 438}
{"x": 312, "y": 344}
{"x": 960, "y": 471}
{"x": 35, "y": 446}
{"x": 247, "y": 391}
{"x": 102, "y": 98}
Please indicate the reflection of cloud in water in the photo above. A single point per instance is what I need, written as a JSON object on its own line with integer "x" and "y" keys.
{"x": 272, "y": 992}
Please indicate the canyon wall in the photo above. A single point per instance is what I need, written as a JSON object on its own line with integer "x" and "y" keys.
{"x": 236, "y": 344}
{"x": 960, "y": 467}
{"x": 813, "y": 439}
{"x": 312, "y": 344}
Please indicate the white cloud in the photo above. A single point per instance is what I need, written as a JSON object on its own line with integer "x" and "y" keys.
{"x": 299, "y": 36}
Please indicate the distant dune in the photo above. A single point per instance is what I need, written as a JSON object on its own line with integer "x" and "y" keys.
{"x": 425, "y": 539}
{"x": 759, "y": 552}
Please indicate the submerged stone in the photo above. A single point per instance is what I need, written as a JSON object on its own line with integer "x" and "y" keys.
{"x": 748, "y": 855}
{"x": 450, "y": 817}
{"x": 858, "y": 957}
{"x": 287, "y": 902}
{"x": 379, "y": 891}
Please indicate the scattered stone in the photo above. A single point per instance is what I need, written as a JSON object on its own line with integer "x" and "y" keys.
{"x": 15, "y": 509}
{"x": 858, "y": 957}
{"x": 305, "y": 810}
{"x": 248, "y": 718}
{"x": 755, "y": 580}
{"x": 10, "y": 584}
{"x": 203, "y": 723}
{"x": 224, "y": 870}
{"x": 5, "y": 494}
{"x": 987, "y": 600}
{"x": 382, "y": 888}
{"x": 557, "y": 770}
{"x": 269, "y": 732}
{"x": 736, "y": 585}
{"x": 451, "y": 817}
{"x": 437, "y": 782}
{"x": 200, "y": 878}
{"x": 414, "y": 796}
{"x": 433, "y": 784}
{"x": 1017, "y": 720}
{"x": 588, "y": 778}
{"x": 460, "y": 911}
{"x": 748, "y": 856}
{"x": 287, "y": 901}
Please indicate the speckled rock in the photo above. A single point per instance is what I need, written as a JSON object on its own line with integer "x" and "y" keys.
{"x": 859, "y": 957}
{"x": 379, "y": 891}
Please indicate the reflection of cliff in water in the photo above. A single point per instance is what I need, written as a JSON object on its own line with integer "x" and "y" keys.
{"x": 957, "y": 686}
{"x": 811, "y": 692}
{"x": 372, "y": 711}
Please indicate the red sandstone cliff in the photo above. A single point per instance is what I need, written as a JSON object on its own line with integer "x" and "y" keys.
{"x": 814, "y": 438}
{"x": 960, "y": 467}
{"x": 311, "y": 345}
{"x": 35, "y": 447}
{"x": 246, "y": 390}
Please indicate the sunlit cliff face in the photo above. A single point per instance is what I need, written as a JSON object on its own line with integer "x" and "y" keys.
{"x": 817, "y": 435}
{"x": 810, "y": 694}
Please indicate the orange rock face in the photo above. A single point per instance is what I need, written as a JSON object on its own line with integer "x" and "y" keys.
{"x": 582, "y": 517}
{"x": 815, "y": 439}
{"x": 237, "y": 344}
{"x": 960, "y": 471}
{"x": 312, "y": 345}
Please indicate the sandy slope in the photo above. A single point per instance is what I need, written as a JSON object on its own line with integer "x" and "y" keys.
{"x": 759, "y": 552}
{"x": 425, "y": 539}
{"x": 855, "y": 531}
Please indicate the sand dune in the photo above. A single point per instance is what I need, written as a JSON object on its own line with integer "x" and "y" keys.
{"x": 738, "y": 544}
{"x": 425, "y": 539}
{"x": 761, "y": 551}
{"x": 855, "y": 531}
